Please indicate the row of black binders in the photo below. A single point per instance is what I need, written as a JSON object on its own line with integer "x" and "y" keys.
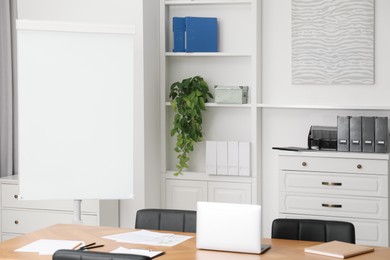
{"x": 362, "y": 134}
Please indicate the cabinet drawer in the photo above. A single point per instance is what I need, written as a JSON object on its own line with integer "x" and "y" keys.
{"x": 9, "y": 193}
{"x": 340, "y": 206}
{"x": 327, "y": 164}
{"x": 368, "y": 232}
{"x": 331, "y": 183}
{"x": 23, "y": 221}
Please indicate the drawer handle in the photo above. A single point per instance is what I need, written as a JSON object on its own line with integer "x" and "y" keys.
{"x": 304, "y": 164}
{"x": 16, "y": 196}
{"x": 326, "y": 205}
{"x": 329, "y": 183}
{"x": 359, "y": 166}
{"x": 16, "y": 222}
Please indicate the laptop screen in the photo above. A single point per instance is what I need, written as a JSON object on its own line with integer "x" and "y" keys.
{"x": 228, "y": 227}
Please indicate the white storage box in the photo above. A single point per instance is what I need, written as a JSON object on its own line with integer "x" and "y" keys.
{"x": 231, "y": 94}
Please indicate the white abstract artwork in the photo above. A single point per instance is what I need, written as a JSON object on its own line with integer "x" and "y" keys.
{"x": 333, "y": 42}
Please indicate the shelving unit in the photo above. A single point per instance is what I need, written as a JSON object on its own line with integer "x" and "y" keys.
{"x": 236, "y": 63}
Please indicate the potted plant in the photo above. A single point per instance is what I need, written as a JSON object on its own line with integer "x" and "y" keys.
{"x": 188, "y": 99}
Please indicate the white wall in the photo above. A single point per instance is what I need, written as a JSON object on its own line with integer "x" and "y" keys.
{"x": 289, "y": 127}
{"x": 277, "y": 87}
{"x": 146, "y": 174}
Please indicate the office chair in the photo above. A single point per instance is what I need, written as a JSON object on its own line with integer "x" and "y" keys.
{"x": 166, "y": 219}
{"x": 67, "y": 254}
{"x": 313, "y": 230}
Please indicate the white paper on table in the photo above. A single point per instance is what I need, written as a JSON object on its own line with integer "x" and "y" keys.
{"x": 48, "y": 246}
{"x": 149, "y": 238}
{"x": 137, "y": 251}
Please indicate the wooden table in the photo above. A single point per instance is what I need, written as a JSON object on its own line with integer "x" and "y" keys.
{"x": 281, "y": 249}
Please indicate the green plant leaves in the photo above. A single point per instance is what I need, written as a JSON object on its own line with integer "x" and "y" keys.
{"x": 188, "y": 101}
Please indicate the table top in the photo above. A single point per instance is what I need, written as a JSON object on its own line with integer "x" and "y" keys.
{"x": 280, "y": 248}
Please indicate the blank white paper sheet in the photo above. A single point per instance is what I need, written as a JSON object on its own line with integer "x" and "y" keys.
{"x": 75, "y": 110}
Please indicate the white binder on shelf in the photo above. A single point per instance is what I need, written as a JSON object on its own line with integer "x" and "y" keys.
{"x": 211, "y": 157}
{"x": 233, "y": 158}
{"x": 244, "y": 158}
{"x": 222, "y": 158}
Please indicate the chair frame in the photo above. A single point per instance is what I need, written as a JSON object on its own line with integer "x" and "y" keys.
{"x": 166, "y": 219}
{"x": 313, "y": 230}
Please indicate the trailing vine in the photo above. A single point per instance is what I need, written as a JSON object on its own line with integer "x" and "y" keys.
{"x": 188, "y": 99}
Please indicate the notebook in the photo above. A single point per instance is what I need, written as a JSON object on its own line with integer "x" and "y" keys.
{"x": 338, "y": 249}
{"x": 229, "y": 227}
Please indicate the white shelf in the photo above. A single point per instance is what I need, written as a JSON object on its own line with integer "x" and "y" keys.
{"x": 205, "y": 2}
{"x": 221, "y": 105}
{"x": 202, "y": 176}
{"x": 324, "y": 107}
{"x": 336, "y": 154}
{"x": 207, "y": 54}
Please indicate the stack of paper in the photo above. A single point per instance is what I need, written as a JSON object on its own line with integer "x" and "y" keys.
{"x": 137, "y": 251}
{"x": 149, "y": 238}
{"x": 48, "y": 246}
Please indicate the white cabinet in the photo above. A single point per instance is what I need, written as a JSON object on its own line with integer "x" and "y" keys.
{"x": 23, "y": 216}
{"x": 349, "y": 187}
{"x": 236, "y": 63}
{"x": 229, "y": 192}
{"x": 184, "y": 194}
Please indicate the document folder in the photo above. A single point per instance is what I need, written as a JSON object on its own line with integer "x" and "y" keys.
{"x": 381, "y": 134}
{"x": 343, "y": 133}
{"x": 368, "y": 134}
{"x": 179, "y": 29}
{"x": 233, "y": 158}
{"x": 211, "y": 157}
{"x": 339, "y": 249}
{"x": 244, "y": 156}
{"x": 222, "y": 158}
{"x": 355, "y": 134}
{"x": 201, "y": 34}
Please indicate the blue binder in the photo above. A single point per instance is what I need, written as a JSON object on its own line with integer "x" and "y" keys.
{"x": 202, "y": 34}
{"x": 179, "y": 28}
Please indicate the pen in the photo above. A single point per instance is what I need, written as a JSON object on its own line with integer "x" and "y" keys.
{"x": 76, "y": 246}
{"x": 86, "y": 246}
{"x": 90, "y": 247}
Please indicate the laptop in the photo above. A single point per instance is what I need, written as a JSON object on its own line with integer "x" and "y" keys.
{"x": 229, "y": 227}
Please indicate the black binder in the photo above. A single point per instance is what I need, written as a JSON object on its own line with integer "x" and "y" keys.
{"x": 343, "y": 133}
{"x": 355, "y": 134}
{"x": 381, "y": 133}
{"x": 368, "y": 134}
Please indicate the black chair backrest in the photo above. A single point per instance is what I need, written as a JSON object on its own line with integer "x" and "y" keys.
{"x": 166, "y": 219}
{"x": 313, "y": 230}
{"x": 67, "y": 254}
